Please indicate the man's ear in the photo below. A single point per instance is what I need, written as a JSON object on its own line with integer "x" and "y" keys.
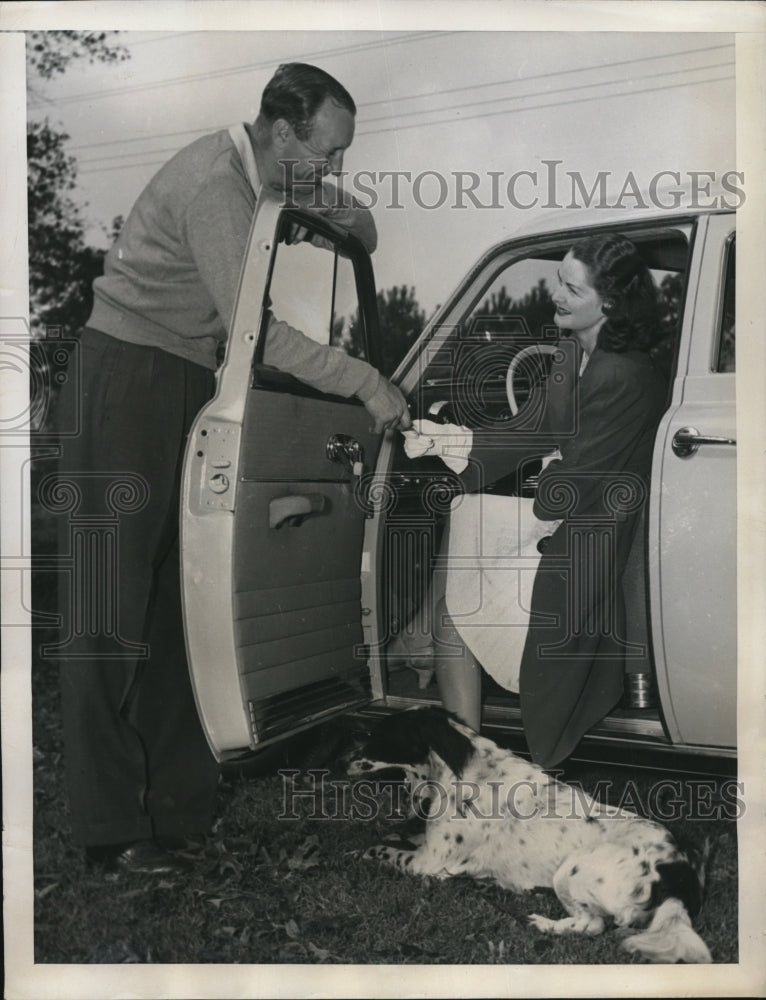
{"x": 281, "y": 130}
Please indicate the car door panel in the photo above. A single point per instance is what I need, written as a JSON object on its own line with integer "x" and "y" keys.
{"x": 693, "y": 523}
{"x": 272, "y": 532}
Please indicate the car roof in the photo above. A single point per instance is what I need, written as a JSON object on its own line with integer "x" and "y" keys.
{"x": 665, "y": 204}
{"x": 660, "y": 250}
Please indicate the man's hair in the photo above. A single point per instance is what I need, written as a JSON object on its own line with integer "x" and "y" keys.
{"x": 296, "y": 92}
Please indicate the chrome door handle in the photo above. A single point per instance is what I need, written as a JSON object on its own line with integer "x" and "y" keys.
{"x": 346, "y": 450}
{"x": 687, "y": 440}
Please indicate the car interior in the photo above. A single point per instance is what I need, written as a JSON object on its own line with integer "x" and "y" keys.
{"x": 485, "y": 370}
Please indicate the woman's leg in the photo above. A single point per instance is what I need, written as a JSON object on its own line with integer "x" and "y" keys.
{"x": 458, "y": 673}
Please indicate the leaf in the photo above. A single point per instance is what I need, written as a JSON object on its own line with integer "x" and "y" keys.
{"x": 266, "y": 856}
{"x": 305, "y": 855}
{"x": 320, "y": 954}
{"x": 292, "y": 930}
{"x": 42, "y": 893}
{"x": 228, "y": 863}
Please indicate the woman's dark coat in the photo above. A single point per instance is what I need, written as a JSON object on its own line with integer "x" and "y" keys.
{"x": 604, "y": 424}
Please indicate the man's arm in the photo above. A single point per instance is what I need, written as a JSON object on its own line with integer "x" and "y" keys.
{"x": 348, "y": 213}
{"x": 330, "y": 369}
{"x": 339, "y": 207}
{"x": 217, "y": 229}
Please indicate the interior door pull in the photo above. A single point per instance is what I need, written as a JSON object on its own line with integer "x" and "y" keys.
{"x": 687, "y": 440}
{"x": 294, "y": 509}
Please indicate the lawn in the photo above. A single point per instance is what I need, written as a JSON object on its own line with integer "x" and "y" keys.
{"x": 271, "y": 889}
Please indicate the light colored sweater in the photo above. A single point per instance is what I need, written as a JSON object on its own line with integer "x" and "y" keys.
{"x": 170, "y": 280}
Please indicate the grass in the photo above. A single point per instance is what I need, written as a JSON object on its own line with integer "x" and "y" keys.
{"x": 266, "y": 889}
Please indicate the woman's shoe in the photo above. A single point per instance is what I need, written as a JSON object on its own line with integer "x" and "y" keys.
{"x": 417, "y": 658}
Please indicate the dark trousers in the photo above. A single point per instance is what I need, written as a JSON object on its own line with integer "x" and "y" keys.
{"x": 137, "y": 761}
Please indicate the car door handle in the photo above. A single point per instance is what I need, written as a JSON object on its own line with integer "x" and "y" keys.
{"x": 347, "y": 451}
{"x": 687, "y": 440}
{"x": 294, "y": 509}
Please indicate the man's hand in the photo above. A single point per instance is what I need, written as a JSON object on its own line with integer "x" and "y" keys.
{"x": 388, "y": 408}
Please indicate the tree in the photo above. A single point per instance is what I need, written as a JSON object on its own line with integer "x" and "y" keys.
{"x": 670, "y": 298}
{"x": 51, "y": 52}
{"x": 535, "y": 308}
{"x": 401, "y": 322}
{"x": 61, "y": 265}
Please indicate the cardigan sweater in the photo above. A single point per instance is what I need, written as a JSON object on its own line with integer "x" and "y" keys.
{"x": 170, "y": 280}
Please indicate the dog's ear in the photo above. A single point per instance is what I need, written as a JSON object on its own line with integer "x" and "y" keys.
{"x": 434, "y": 727}
{"x": 678, "y": 880}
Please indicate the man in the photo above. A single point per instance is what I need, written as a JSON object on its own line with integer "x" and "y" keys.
{"x": 141, "y": 778}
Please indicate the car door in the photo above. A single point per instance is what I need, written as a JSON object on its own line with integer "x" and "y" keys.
{"x": 272, "y": 511}
{"x": 692, "y": 555}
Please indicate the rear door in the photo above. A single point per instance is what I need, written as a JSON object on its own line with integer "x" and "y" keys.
{"x": 272, "y": 506}
{"x": 692, "y": 555}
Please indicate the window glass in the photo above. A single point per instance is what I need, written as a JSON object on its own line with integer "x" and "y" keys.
{"x": 515, "y": 310}
{"x": 314, "y": 290}
{"x": 726, "y": 334}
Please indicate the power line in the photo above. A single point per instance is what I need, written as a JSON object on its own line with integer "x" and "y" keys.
{"x": 160, "y": 38}
{"x": 449, "y": 121}
{"x": 457, "y": 107}
{"x": 557, "y": 72}
{"x": 554, "y": 104}
{"x": 546, "y": 93}
{"x": 452, "y": 90}
{"x": 247, "y": 68}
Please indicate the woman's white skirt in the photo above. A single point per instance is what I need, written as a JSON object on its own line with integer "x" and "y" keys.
{"x": 491, "y": 564}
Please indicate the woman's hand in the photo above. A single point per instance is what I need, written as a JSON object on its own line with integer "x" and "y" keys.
{"x": 449, "y": 442}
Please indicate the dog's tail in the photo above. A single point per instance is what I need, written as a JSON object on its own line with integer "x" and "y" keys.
{"x": 669, "y": 937}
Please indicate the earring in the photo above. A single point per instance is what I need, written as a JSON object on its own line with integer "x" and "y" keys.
{"x": 607, "y": 306}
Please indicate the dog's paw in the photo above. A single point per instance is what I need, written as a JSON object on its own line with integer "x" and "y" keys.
{"x": 377, "y": 853}
{"x": 544, "y": 924}
{"x": 582, "y": 923}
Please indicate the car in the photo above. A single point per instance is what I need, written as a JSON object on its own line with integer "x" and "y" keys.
{"x": 308, "y": 541}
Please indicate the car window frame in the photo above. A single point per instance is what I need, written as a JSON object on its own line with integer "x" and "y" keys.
{"x": 264, "y": 376}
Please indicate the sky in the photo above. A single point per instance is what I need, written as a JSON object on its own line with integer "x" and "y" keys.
{"x": 431, "y": 103}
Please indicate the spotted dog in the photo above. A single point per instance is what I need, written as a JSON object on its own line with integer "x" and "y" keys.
{"x": 493, "y": 815}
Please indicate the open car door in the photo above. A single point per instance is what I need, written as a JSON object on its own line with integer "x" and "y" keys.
{"x": 272, "y": 516}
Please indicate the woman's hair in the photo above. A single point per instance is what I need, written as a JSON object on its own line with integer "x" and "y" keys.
{"x": 620, "y": 276}
{"x": 297, "y": 91}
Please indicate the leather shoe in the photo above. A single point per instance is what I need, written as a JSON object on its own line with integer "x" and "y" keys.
{"x": 142, "y": 857}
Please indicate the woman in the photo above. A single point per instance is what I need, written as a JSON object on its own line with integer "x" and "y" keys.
{"x": 604, "y": 403}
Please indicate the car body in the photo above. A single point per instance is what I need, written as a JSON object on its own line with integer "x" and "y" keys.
{"x": 308, "y": 541}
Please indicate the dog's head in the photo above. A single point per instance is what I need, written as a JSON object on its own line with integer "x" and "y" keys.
{"x": 407, "y": 740}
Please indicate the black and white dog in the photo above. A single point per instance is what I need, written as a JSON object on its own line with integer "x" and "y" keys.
{"x": 493, "y": 815}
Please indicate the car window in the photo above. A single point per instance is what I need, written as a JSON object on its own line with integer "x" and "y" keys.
{"x": 314, "y": 290}
{"x": 726, "y": 342}
{"x": 514, "y": 310}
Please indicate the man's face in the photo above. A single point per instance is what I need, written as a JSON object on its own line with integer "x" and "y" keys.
{"x": 306, "y": 161}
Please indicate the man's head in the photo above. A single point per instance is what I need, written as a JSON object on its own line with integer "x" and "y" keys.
{"x": 305, "y": 124}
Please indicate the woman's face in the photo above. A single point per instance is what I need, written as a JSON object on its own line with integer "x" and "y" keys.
{"x": 578, "y": 304}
